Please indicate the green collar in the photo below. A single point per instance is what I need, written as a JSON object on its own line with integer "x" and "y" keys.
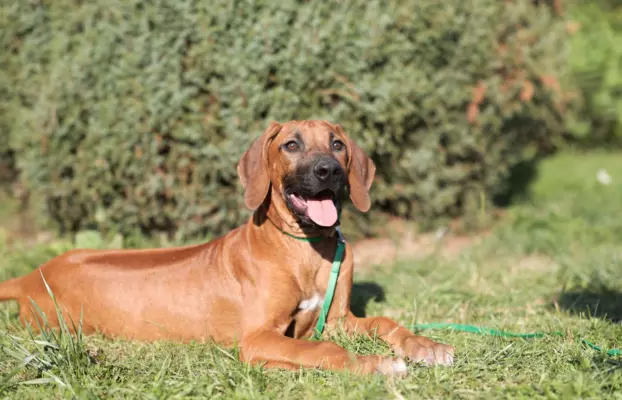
{"x": 304, "y": 239}
{"x": 332, "y": 281}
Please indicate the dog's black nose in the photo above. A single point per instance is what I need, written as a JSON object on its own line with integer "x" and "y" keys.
{"x": 327, "y": 169}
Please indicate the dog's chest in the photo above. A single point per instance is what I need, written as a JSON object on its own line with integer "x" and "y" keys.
{"x": 312, "y": 277}
{"x": 313, "y": 286}
{"x": 305, "y": 316}
{"x": 311, "y": 304}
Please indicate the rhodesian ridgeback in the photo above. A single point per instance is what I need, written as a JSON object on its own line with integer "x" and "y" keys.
{"x": 258, "y": 286}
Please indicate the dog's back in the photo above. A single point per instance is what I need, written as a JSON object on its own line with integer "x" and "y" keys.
{"x": 184, "y": 293}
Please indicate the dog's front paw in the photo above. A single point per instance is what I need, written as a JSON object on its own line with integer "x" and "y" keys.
{"x": 392, "y": 367}
{"x": 389, "y": 366}
{"x": 423, "y": 350}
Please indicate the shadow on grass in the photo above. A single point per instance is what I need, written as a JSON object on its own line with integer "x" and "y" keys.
{"x": 595, "y": 300}
{"x": 362, "y": 294}
{"x": 517, "y": 185}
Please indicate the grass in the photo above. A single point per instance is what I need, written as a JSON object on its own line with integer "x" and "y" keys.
{"x": 553, "y": 264}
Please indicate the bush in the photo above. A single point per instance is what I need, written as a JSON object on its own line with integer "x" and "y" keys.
{"x": 132, "y": 115}
{"x": 597, "y": 71}
{"x": 8, "y": 170}
{"x": 7, "y": 161}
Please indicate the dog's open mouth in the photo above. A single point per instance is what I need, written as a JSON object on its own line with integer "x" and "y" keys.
{"x": 319, "y": 208}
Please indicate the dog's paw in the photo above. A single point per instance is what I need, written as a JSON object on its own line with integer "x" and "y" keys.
{"x": 389, "y": 366}
{"x": 392, "y": 367}
{"x": 425, "y": 351}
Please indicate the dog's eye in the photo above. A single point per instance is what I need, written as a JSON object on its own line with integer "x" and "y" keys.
{"x": 338, "y": 145}
{"x": 292, "y": 145}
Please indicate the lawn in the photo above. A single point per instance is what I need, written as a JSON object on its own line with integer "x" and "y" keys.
{"x": 553, "y": 264}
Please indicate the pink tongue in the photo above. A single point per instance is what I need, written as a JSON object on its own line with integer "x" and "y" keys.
{"x": 322, "y": 211}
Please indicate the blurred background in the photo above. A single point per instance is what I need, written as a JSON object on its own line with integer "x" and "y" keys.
{"x": 125, "y": 119}
{"x": 496, "y": 127}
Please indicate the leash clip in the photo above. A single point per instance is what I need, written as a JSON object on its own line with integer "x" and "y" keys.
{"x": 340, "y": 236}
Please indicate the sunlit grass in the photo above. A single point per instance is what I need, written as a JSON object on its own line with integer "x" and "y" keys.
{"x": 554, "y": 264}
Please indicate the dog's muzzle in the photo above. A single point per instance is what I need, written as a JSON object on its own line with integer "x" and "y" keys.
{"x": 314, "y": 190}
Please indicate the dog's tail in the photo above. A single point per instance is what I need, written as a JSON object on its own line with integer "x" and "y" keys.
{"x": 11, "y": 289}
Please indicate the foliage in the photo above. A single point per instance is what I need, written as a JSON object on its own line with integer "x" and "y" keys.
{"x": 131, "y": 115}
{"x": 7, "y": 161}
{"x": 596, "y": 63}
{"x": 8, "y": 169}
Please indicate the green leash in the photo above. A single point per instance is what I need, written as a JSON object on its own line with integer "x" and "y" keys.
{"x": 332, "y": 284}
{"x": 495, "y": 332}
{"x": 332, "y": 281}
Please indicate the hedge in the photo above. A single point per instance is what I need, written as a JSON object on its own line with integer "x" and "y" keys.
{"x": 131, "y": 115}
{"x": 596, "y": 65}
{"x": 8, "y": 170}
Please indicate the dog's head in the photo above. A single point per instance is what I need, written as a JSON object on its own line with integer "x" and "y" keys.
{"x": 305, "y": 167}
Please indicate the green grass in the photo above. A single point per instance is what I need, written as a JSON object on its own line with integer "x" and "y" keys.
{"x": 553, "y": 264}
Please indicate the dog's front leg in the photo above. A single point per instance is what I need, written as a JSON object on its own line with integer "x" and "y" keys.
{"x": 403, "y": 341}
{"x": 278, "y": 351}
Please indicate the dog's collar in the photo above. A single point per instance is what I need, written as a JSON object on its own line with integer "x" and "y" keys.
{"x": 312, "y": 239}
{"x": 334, "y": 275}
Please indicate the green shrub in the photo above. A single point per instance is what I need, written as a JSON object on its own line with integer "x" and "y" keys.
{"x": 131, "y": 115}
{"x": 7, "y": 157}
{"x": 597, "y": 71}
{"x": 7, "y": 161}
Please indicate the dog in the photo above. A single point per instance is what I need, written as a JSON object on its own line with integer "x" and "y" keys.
{"x": 258, "y": 286}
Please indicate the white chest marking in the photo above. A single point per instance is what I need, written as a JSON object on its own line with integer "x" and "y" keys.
{"x": 311, "y": 304}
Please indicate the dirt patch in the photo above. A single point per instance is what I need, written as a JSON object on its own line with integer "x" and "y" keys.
{"x": 407, "y": 243}
{"x": 533, "y": 262}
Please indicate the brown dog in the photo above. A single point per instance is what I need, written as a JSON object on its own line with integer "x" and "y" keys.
{"x": 256, "y": 286}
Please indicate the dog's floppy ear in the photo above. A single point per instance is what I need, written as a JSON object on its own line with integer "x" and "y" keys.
{"x": 361, "y": 172}
{"x": 253, "y": 168}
